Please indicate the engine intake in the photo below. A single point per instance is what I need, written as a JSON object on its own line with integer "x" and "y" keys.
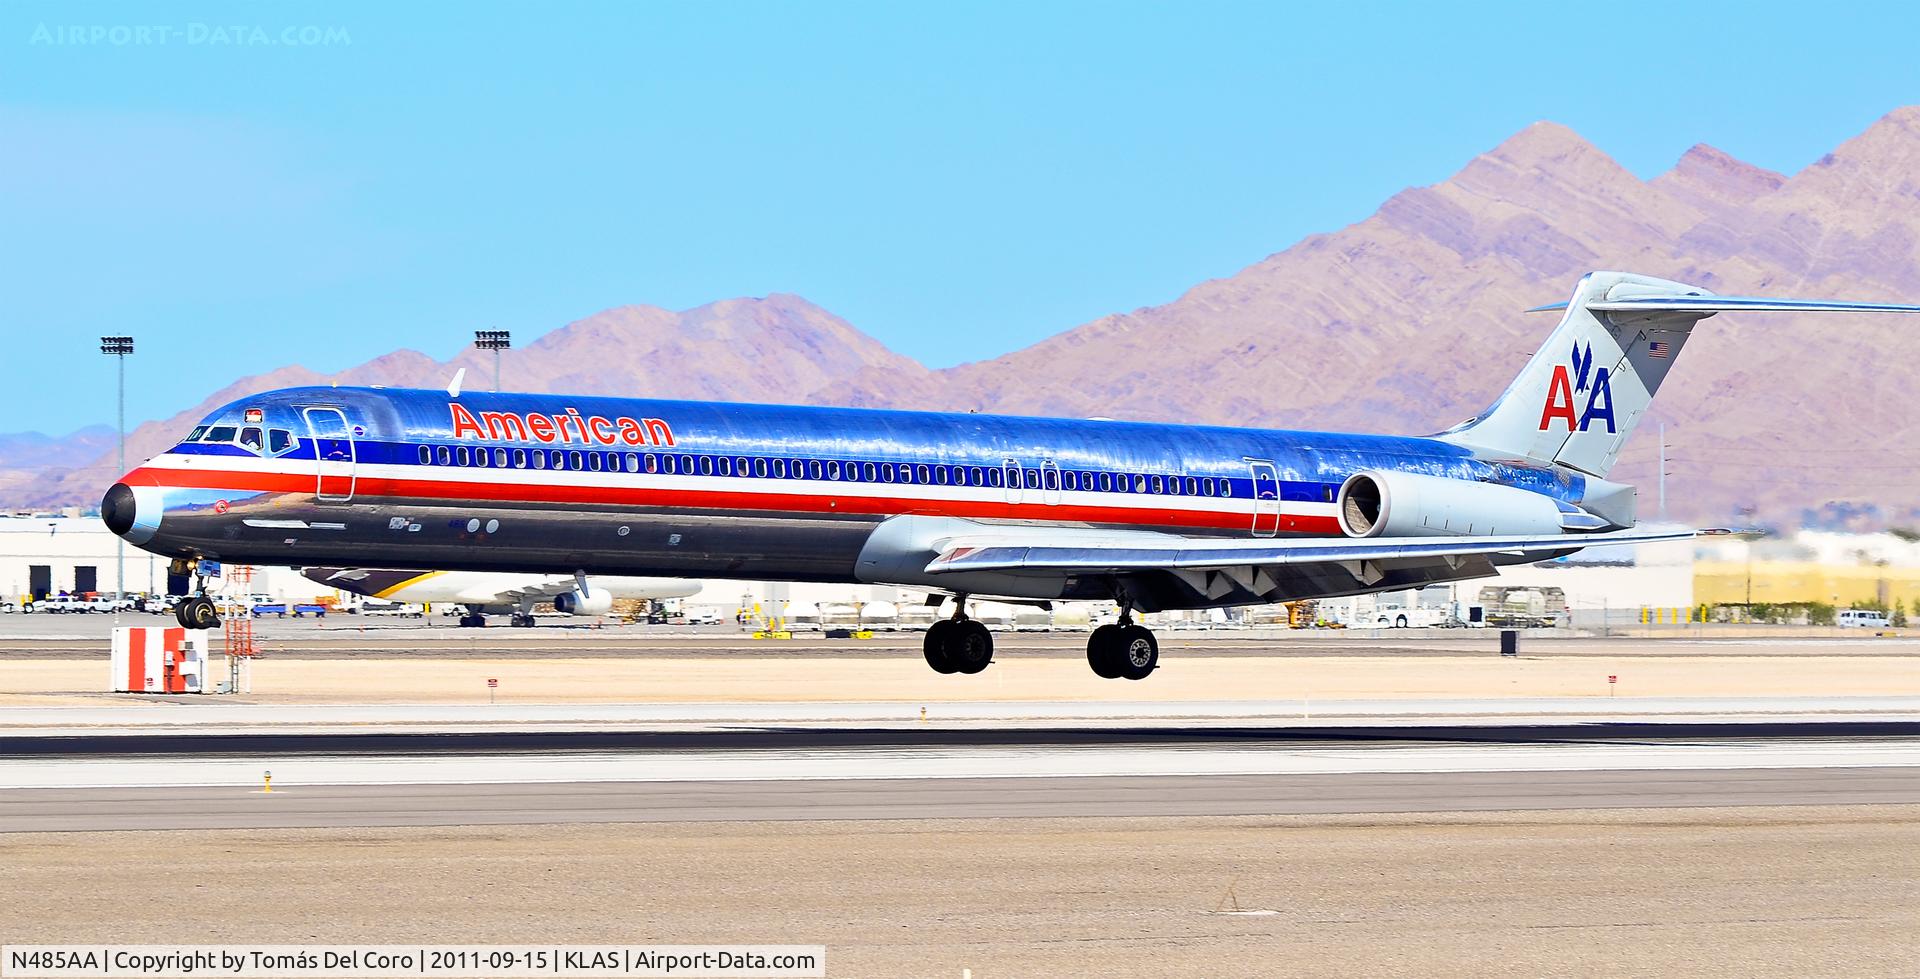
{"x": 574, "y": 603}
{"x": 1383, "y": 503}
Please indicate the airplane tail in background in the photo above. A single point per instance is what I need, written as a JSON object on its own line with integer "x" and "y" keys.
{"x": 1579, "y": 398}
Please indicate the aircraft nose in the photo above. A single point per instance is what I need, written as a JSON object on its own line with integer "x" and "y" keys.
{"x": 133, "y": 512}
{"x": 119, "y": 510}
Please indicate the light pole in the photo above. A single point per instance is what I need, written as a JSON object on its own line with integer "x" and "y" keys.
{"x": 118, "y": 348}
{"x": 496, "y": 341}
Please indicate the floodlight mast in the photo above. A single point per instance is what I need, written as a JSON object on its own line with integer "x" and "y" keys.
{"x": 120, "y": 348}
{"x": 496, "y": 341}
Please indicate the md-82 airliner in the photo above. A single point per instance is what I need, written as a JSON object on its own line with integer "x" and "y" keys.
{"x": 1150, "y": 516}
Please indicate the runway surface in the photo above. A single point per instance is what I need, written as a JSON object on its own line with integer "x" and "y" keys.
{"x": 64, "y": 810}
{"x": 155, "y": 779}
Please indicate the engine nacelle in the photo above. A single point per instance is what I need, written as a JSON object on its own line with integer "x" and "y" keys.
{"x": 1383, "y": 503}
{"x": 574, "y": 603}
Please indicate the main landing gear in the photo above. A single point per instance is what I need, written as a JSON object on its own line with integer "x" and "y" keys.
{"x": 474, "y": 619}
{"x": 1123, "y": 649}
{"x": 959, "y": 644}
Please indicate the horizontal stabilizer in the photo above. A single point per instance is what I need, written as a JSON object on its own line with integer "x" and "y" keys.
{"x": 1724, "y": 304}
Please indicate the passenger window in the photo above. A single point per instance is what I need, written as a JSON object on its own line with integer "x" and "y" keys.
{"x": 557, "y": 460}
{"x": 653, "y": 463}
{"x": 866, "y": 471}
{"x": 740, "y": 467}
{"x": 886, "y": 472}
{"x": 760, "y": 468}
{"x": 1206, "y": 485}
{"x": 706, "y": 465}
{"x": 960, "y": 476}
{"x": 1226, "y": 486}
{"x": 1192, "y": 489}
{"x": 923, "y": 472}
{"x": 940, "y": 475}
{"x": 443, "y": 455}
{"x": 994, "y": 477}
{"x": 466, "y": 456}
{"x": 1139, "y": 484}
{"x": 906, "y": 473}
{"x": 1053, "y": 479}
{"x": 219, "y": 433}
{"x": 979, "y": 475}
{"x": 279, "y": 440}
{"x": 833, "y": 470}
{"x": 779, "y": 468}
{"x": 726, "y": 466}
{"x": 813, "y": 469}
{"x": 1067, "y": 479}
{"x": 480, "y": 458}
{"x": 593, "y": 461}
{"x": 519, "y": 458}
{"x": 539, "y": 459}
{"x": 1106, "y": 482}
{"x": 426, "y": 456}
{"x": 499, "y": 458}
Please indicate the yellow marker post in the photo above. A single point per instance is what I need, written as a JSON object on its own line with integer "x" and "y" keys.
{"x": 269, "y": 780}
{"x": 923, "y": 715}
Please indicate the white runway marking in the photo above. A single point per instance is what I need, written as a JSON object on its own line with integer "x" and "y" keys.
{"x": 290, "y": 772}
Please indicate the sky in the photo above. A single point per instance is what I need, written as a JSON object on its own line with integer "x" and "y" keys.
{"x": 246, "y": 186}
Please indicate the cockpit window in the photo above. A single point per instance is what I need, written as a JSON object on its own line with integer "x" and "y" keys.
{"x": 252, "y": 438}
{"x": 194, "y": 436}
{"x": 219, "y": 433}
{"x": 279, "y": 440}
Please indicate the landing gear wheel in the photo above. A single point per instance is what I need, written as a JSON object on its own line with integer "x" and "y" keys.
{"x": 197, "y": 613}
{"x": 1103, "y": 651}
{"x": 934, "y": 646}
{"x": 1139, "y": 652}
{"x": 969, "y": 646}
{"x": 473, "y": 621}
{"x": 520, "y": 621}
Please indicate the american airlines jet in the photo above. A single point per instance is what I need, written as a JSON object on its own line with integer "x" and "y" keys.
{"x": 1150, "y": 516}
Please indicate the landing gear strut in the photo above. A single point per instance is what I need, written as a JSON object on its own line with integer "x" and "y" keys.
{"x": 1123, "y": 649}
{"x": 958, "y": 644}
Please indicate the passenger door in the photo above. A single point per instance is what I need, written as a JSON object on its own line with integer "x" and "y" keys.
{"x": 334, "y": 455}
{"x": 1266, "y": 498}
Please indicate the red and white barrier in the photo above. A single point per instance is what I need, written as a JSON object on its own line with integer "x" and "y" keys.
{"x": 171, "y": 660}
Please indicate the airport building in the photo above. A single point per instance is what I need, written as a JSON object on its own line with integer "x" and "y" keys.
{"x": 1603, "y": 586}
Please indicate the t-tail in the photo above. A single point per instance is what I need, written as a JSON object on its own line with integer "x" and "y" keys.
{"x": 1580, "y": 397}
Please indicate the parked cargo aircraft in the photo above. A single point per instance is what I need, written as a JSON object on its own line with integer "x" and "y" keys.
{"x": 1150, "y": 516}
{"x": 485, "y": 593}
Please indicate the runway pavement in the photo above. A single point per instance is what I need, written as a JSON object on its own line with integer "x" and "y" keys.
{"x": 766, "y": 771}
{"x": 208, "y": 807}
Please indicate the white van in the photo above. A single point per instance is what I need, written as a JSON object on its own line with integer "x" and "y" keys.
{"x": 1862, "y": 617}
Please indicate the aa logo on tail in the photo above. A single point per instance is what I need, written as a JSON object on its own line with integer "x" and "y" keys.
{"x": 1579, "y": 377}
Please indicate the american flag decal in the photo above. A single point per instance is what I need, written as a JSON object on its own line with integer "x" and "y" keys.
{"x": 1660, "y": 349}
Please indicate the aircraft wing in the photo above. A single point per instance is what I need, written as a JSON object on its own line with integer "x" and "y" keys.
{"x": 1130, "y": 551}
{"x": 1161, "y": 571}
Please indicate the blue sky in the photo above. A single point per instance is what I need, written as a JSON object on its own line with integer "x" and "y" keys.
{"x": 958, "y": 180}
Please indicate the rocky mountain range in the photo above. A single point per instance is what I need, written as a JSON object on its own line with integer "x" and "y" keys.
{"x": 1407, "y": 321}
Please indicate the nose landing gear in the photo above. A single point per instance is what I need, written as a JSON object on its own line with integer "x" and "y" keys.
{"x": 1123, "y": 649}
{"x": 197, "y": 612}
{"x": 958, "y": 644}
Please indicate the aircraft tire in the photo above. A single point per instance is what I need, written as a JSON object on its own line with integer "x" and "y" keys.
{"x": 198, "y": 613}
{"x": 1139, "y": 652}
{"x": 1103, "y": 652}
{"x": 934, "y": 646}
{"x": 969, "y": 646}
